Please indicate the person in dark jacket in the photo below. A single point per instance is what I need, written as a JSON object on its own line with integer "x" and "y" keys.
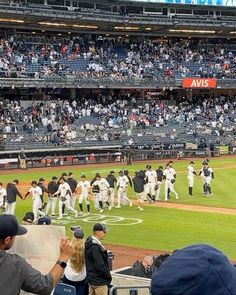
{"x": 12, "y": 192}
{"x": 143, "y": 269}
{"x": 52, "y": 201}
{"x": 96, "y": 258}
{"x": 159, "y": 172}
{"x": 138, "y": 184}
{"x": 44, "y": 190}
{"x": 73, "y": 184}
{"x": 111, "y": 179}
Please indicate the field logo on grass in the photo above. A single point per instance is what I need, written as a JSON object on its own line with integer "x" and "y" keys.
{"x": 93, "y": 218}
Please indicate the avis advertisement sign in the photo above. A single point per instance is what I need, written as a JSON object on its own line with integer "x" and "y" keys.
{"x": 199, "y": 83}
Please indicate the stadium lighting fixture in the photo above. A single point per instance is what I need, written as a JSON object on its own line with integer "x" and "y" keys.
{"x": 126, "y": 28}
{"x": 11, "y": 20}
{"x": 53, "y": 24}
{"x": 148, "y": 29}
{"x": 233, "y": 32}
{"x": 192, "y": 31}
{"x": 85, "y": 26}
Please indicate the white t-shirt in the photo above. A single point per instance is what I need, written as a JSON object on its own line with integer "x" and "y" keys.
{"x": 84, "y": 186}
{"x": 123, "y": 181}
{"x": 151, "y": 175}
{"x": 36, "y": 192}
{"x": 73, "y": 275}
{"x": 169, "y": 173}
{"x": 102, "y": 184}
{"x": 3, "y": 193}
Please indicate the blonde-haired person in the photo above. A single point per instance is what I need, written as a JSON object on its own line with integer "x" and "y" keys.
{"x": 75, "y": 271}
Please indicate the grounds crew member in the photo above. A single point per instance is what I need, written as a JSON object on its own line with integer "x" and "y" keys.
{"x": 16, "y": 273}
{"x": 111, "y": 179}
{"x": 12, "y": 192}
{"x": 52, "y": 199}
{"x": 97, "y": 266}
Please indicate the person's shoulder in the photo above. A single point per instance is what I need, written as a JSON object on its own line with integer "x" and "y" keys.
{"x": 15, "y": 259}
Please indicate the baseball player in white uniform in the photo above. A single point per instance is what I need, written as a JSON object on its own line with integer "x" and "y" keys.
{"x": 103, "y": 195}
{"x": 191, "y": 173}
{"x": 36, "y": 193}
{"x": 169, "y": 175}
{"x": 122, "y": 185}
{"x": 65, "y": 194}
{"x": 3, "y": 194}
{"x": 84, "y": 188}
{"x": 151, "y": 179}
{"x": 207, "y": 175}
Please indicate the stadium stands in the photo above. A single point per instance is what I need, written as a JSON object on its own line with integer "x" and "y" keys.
{"x": 95, "y": 56}
{"x": 125, "y": 122}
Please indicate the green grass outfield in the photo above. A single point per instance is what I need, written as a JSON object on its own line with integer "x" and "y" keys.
{"x": 158, "y": 228}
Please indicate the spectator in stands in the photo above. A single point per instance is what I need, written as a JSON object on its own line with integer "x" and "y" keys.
{"x": 75, "y": 271}
{"x": 16, "y": 273}
{"x": 195, "y": 270}
{"x": 98, "y": 273}
{"x": 143, "y": 269}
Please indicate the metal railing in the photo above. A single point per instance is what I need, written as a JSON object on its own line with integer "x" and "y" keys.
{"x": 133, "y": 290}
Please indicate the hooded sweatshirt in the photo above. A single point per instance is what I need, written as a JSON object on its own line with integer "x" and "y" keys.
{"x": 96, "y": 259}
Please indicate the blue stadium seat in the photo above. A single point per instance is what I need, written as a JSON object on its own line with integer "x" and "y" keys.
{"x": 64, "y": 289}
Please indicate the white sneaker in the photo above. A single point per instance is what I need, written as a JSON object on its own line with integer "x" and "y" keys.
{"x": 141, "y": 209}
{"x": 59, "y": 217}
{"x": 101, "y": 210}
{"x": 76, "y": 214}
{"x": 109, "y": 208}
{"x": 117, "y": 207}
{"x": 177, "y": 197}
{"x": 130, "y": 204}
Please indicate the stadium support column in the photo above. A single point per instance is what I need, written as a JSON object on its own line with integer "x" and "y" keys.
{"x": 45, "y": 2}
{"x": 73, "y": 93}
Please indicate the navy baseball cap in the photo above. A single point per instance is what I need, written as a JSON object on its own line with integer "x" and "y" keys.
{"x": 78, "y": 233}
{"x": 99, "y": 227}
{"x": 10, "y": 227}
{"x": 195, "y": 270}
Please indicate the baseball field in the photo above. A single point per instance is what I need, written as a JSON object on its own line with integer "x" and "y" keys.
{"x": 164, "y": 226}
